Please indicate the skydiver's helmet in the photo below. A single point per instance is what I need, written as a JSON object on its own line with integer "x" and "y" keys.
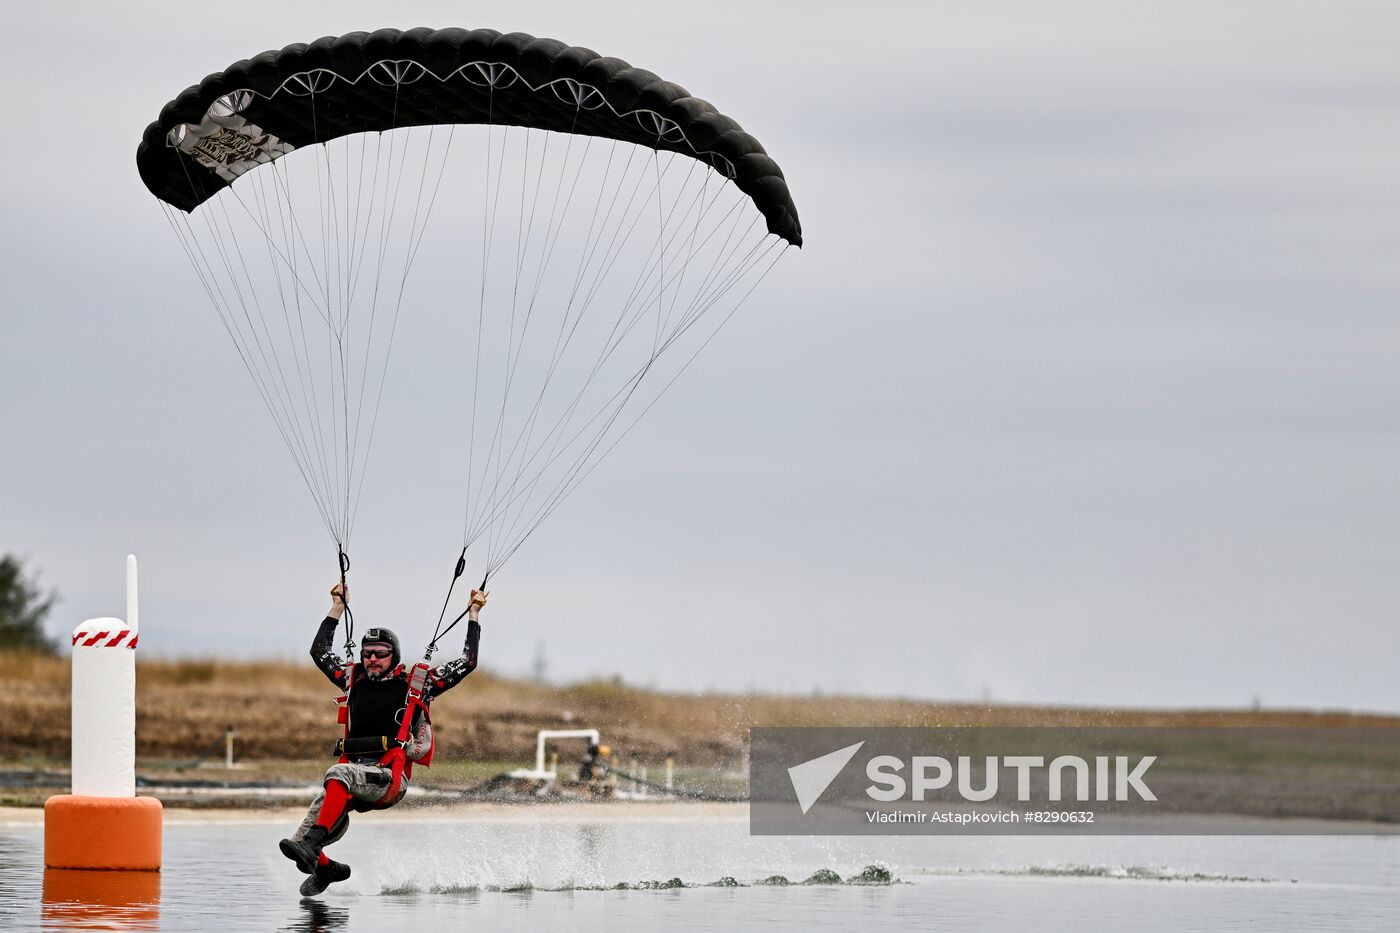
{"x": 383, "y": 636}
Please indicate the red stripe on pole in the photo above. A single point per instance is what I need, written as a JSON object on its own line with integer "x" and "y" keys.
{"x": 118, "y": 640}
{"x": 95, "y": 639}
{"x": 76, "y": 636}
{"x": 134, "y": 641}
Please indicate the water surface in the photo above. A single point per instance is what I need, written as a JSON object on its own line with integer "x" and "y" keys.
{"x": 675, "y": 867}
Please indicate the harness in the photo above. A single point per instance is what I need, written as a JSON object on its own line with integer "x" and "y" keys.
{"x": 394, "y": 758}
{"x": 393, "y": 755}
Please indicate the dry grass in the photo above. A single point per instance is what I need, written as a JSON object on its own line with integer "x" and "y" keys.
{"x": 285, "y": 711}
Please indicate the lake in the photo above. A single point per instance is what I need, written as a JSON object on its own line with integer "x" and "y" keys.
{"x": 673, "y": 866}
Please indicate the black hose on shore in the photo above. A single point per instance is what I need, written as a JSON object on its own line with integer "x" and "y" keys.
{"x": 684, "y": 792}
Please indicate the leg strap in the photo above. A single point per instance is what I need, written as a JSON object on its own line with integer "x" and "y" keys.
{"x": 333, "y": 807}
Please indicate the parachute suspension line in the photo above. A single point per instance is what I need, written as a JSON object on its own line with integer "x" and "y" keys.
{"x": 590, "y": 249}
{"x": 285, "y": 414}
{"x": 588, "y": 302}
{"x": 554, "y": 213}
{"x": 415, "y": 240}
{"x": 488, "y": 228}
{"x": 709, "y": 299}
{"x": 493, "y": 452}
{"x": 490, "y": 212}
{"x": 646, "y": 265}
{"x": 664, "y": 219}
{"x": 516, "y": 471}
{"x": 361, "y": 235}
{"x": 265, "y": 223}
{"x": 353, "y": 449}
{"x": 481, "y": 306}
{"x": 690, "y": 244}
{"x": 331, "y": 445}
{"x": 513, "y": 347}
{"x": 342, "y": 338}
{"x": 551, "y": 239}
{"x": 357, "y": 264}
{"x": 315, "y": 397}
{"x": 199, "y": 262}
{"x": 582, "y": 467}
{"x": 338, "y": 335}
{"x": 593, "y": 227}
{"x": 659, "y": 248}
{"x": 700, "y": 198}
{"x": 241, "y": 345}
{"x": 387, "y": 216}
{"x": 264, "y": 376}
{"x": 553, "y": 456}
{"x": 297, "y": 339}
{"x": 335, "y": 328}
{"x": 294, "y": 229}
{"x": 614, "y": 249}
{"x": 290, "y": 227}
{"x": 282, "y": 177}
{"x": 560, "y": 498}
{"x": 523, "y": 232}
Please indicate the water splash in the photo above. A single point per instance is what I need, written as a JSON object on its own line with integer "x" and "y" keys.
{"x": 869, "y": 875}
{"x": 1111, "y": 872}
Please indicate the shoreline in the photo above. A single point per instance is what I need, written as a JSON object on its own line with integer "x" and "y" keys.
{"x": 479, "y": 811}
{"x": 677, "y": 811}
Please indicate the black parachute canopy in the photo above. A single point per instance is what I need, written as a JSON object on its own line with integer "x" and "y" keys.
{"x": 261, "y": 108}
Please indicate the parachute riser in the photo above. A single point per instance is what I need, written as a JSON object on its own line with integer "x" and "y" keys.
{"x": 343, "y": 560}
{"x": 457, "y": 570}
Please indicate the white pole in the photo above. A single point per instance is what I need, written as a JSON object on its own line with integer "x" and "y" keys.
{"x": 545, "y": 734}
{"x": 131, "y": 612}
{"x": 104, "y": 702}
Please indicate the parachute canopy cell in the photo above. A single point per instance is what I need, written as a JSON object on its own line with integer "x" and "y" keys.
{"x": 259, "y": 109}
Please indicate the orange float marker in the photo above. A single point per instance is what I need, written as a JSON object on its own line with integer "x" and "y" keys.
{"x": 103, "y": 824}
{"x": 98, "y": 900}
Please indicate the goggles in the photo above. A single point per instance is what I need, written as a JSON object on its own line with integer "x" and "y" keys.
{"x": 380, "y": 654}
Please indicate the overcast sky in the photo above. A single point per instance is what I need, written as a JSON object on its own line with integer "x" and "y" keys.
{"x": 1083, "y": 389}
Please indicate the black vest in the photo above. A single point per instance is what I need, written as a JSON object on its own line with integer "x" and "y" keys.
{"x": 376, "y": 706}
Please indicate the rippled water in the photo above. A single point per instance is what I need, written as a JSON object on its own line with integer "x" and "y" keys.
{"x": 654, "y": 868}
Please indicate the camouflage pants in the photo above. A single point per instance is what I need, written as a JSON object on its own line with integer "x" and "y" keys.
{"x": 366, "y": 783}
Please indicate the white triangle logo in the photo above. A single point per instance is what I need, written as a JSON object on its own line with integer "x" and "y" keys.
{"x": 811, "y": 778}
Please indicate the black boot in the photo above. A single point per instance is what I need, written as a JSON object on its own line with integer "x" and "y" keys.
{"x": 323, "y": 877}
{"x": 306, "y": 850}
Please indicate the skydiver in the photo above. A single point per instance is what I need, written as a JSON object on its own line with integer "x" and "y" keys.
{"x": 376, "y": 699}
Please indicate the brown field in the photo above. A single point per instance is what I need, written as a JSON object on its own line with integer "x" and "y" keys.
{"x": 284, "y": 712}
